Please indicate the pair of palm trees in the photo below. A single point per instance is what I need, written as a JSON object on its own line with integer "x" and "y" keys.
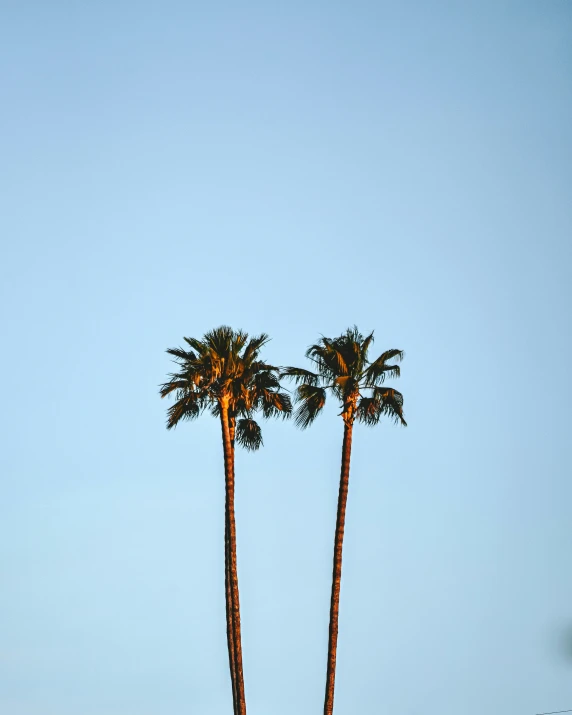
{"x": 223, "y": 373}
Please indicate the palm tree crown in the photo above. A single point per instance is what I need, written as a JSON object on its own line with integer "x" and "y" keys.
{"x": 343, "y": 367}
{"x": 223, "y": 369}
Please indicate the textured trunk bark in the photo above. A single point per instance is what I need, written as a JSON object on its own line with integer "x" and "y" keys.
{"x": 337, "y": 569}
{"x": 233, "y": 623}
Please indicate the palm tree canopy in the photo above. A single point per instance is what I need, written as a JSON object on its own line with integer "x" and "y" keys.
{"x": 342, "y": 367}
{"x": 223, "y": 368}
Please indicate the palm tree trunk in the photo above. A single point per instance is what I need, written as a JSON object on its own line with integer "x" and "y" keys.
{"x": 337, "y": 570}
{"x": 227, "y": 591}
{"x": 233, "y": 622}
{"x": 229, "y": 618}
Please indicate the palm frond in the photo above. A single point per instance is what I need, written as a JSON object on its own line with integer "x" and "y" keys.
{"x": 253, "y": 347}
{"x": 328, "y": 359}
{"x": 174, "y": 384}
{"x": 312, "y": 400}
{"x": 337, "y": 359}
{"x": 298, "y": 375}
{"x": 248, "y": 434}
{"x": 384, "y": 401}
{"x": 352, "y": 335}
{"x": 366, "y": 343}
{"x": 391, "y": 403}
{"x": 349, "y": 349}
{"x": 368, "y": 411}
{"x": 276, "y": 404}
{"x": 198, "y": 345}
{"x": 182, "y": 355}
{"x": 224, "y": 345}
{"x": 266, "y": 379}
{"x": 378, "y": 370}
{"x": 186, "y": 408}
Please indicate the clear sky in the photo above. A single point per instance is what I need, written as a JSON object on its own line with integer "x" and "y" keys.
{"x": 294, "y": 168}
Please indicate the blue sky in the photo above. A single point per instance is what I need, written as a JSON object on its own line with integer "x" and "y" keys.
{"x": 293, "y": 168}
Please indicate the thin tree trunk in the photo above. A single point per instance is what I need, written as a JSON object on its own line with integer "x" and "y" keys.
{"x": 229, "y": 615}
{"x": 234, "y": 622}
{"x": 337, "y": 570}
{"x": 228, "y": 597}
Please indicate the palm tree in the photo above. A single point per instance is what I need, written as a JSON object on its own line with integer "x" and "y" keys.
{"x": 223, "y": 373}
{"x": 343, "y": 368}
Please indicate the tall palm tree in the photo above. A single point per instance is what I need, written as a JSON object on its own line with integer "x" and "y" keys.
{"x": 222, "y": 373}
{"x": 342, "y": 367}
